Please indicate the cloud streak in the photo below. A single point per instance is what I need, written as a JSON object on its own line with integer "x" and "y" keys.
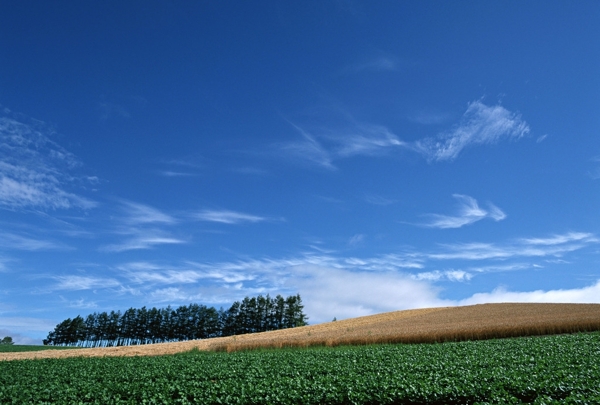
{"x": 18, "y": 242}
{"x": 144, "y": 240}
{"x": 141, "y": 224}
{"x": 227, "y": 217}
{"x": 555, "y": 246}
{"x": 480, "y": 124}
{"x": 307, "y": 149}
{"x": 144, "y": 214}
{"x": 469, "y": 212}
{"x": 337, "y": 286}
{"x": 76, "y": 283}
{"x": 34, "y": 170}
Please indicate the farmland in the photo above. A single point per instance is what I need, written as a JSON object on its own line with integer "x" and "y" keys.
{"x": 547, "y": 369}
{"x": 462, "y": 355}
{"x": 28, "y": 348}
{"x": 412, "y": 326}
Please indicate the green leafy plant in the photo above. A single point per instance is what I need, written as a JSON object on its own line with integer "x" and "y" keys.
{"x": 549, "y": 369}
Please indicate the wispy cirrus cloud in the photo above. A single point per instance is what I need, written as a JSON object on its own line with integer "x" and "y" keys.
{"x": 365, "y": 139}
{"x": 307, "y": 149}
{"x": 562, "y": 239}
{"x": 227, "y": 217}
{"x": 76, "y": 283}
{"x": 538, "y": 247}
{"x": 378, "y": 200}
{"x": 480, "y": 124}
{"x": 139, "y": 224}
{"x": 184, "y": 167}
{"x": 187, "y": 273}
{"x": 351, "y": 285}
{"x": 18, "y": 242}
{"x": 145, "y": 239}
{"x": 437, "y": 275}
{"x": 35, "y": 171}
{"x": 137, "y": 213}
{"x": 174, "y": 294}
{"x": 468, "y": 213}
{"x": 324, "y": 145}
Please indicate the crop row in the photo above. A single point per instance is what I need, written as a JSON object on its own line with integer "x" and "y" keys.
{"x": 542, "y": 370}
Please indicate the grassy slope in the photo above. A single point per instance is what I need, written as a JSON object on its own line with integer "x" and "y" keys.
{"x": 473, "y": 322}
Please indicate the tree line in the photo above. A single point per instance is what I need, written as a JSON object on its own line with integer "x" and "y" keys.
{"x": 142, "y": 325}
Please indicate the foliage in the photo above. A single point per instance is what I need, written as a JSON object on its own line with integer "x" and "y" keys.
{"x": 541, "y": 370}
{"x": 142, "y": 326}
{"x": 29, "y": 348}
{"x": 6, "y": 341}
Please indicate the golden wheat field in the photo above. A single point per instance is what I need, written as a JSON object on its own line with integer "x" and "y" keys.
{"x": 485, "y": 321}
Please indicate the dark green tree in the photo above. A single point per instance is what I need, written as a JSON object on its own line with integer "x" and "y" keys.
{"x": 7, "y": 340}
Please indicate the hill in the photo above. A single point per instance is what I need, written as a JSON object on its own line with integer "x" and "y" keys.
{"x": 475, "y": 322}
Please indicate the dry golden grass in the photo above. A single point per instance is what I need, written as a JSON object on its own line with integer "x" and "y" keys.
{"x": 428, "y": 325}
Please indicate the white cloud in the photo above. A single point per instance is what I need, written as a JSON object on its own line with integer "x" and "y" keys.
{"x": 227, "y": 217}
{"x": 191, "y": 272}
{"x": 536, "y": 247}
{"x": 469, "y": 212}
{"x": 308, "y": 149}
{"x": 145, "y": 240}
{"x": 325, "y": 145}
{"x": 356, "y": 239}
{"x": 341, "y": 287}
{"x": 137, "y": 213}
{"x": 18, "y": 242}
{"x": 589, "y": 294}
{"x": 82, "y": 304}
{"x": 75, "y": 283}
{"x": 562, "y": 239}
{"x": 378, "y": 200}
{"x": 365, "y": 139}
{"x": 174, "y": 295}
{"x": 436, "y": 275}
{"x": 134, "y": 223}
{"x": 481, "y": 124}
{"x": 34, "y": 170}
{"x": 342, "y": 293}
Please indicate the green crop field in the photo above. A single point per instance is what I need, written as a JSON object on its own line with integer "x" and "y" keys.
{"x": 29, "y": 348}
{"x": 541, "y": 370}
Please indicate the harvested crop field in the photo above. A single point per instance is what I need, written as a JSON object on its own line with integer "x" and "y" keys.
{"x": 485, "y": 321}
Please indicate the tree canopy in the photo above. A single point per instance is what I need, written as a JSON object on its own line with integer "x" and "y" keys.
{"x": 6, "y": 341}
{"x": 156, "y": 325}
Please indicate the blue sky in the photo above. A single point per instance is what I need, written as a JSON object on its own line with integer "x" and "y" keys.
{"x": 371, "y": 156}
